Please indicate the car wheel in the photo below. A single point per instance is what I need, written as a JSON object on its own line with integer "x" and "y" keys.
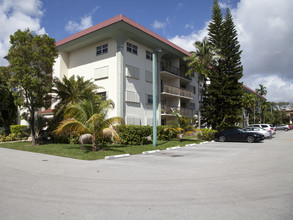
{"x": 250, "y": 139}
{"x": 222, "y": 138}
{"x": 286, "y": 129}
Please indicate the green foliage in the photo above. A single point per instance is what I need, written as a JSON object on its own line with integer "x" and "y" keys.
{"x": 206, "y": 134}
{"x": 165, "y": 133}
{"x": 90, "y": 116}
{"x": 31, "y": 59}
{"x": 134, "y": 134}
{"x": 70, "y": 91}
{"x": 73, "y": 139}
{"x": 222, "y": 98}
{"x": 19, "y": 130}
{"x": 8, "y": 110}
{"x": 10, "y": 137}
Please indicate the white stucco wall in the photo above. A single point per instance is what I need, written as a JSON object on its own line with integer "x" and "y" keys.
{"x": 141, "y": 86}
{"x": 84, "y": 62}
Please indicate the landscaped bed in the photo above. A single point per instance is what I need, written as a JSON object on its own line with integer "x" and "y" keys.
{"x": 75, "y": 151}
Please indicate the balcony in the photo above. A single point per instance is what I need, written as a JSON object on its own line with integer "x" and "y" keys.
{"x": 170, "y": 111}
{"x": 176, "y": 91}
{"x": 174, "y": 70}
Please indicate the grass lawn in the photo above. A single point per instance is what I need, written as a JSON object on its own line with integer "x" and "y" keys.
{"x": 74, "y": 150}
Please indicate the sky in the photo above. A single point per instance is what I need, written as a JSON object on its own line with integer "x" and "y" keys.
{"x": 264, "y": 27}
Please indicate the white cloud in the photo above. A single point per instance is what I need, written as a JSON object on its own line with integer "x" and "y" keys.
{"x": 189, "y": 26}
{"x": 85, "y": 22}
{"x": 159, "y": 25}
{"x": 18, "y": 14}
{"x": 187, "y": 41}
{"x": 265, "y": 33}
{"x": 278, "y": 88}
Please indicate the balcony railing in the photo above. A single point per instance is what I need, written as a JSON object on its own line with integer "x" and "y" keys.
{"x": 176, "y": 91}
{"x": 174, "y": 70}
{"x": 167, "y": 110}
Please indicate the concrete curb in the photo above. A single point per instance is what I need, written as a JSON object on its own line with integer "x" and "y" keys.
{"x": 190, "y": 145}
{"x": 150, "y": 152}
{"x": 173, "y": 148}
{"x": 117, "y": 156}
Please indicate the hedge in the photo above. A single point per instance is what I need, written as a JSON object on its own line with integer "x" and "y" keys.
{"x": 206, "y": 134}
{"x": 165, "y": 134}
{"x": 134, "y": 134}
{"x": 19, "y": 130}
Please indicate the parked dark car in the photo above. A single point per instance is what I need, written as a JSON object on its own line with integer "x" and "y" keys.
{"x": 238, "y": 135}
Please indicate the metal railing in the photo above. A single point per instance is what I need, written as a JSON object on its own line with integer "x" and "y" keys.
{"x": 168, "y": 110}
{"x": 174, "y": 70}
{"x": 176, "y": 91}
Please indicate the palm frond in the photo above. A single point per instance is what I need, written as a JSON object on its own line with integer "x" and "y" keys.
{"x": 70, "y": 125}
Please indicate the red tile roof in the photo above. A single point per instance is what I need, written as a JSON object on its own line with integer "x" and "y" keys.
{"x": 246, "y": 87}
{"x": 47, "y": 111}
{"x": 117, "y": 19}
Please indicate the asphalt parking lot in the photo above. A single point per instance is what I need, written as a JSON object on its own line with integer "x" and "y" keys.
{"x": 207, "y": 181}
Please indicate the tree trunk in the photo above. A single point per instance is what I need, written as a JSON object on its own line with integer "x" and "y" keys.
{"x": 32, "y": 126}
{"x": 95, "y": 144}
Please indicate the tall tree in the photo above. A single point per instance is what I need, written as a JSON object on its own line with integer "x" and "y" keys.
{"x": 248, "y": 103}
{"x": 200, "y": 62}
{"x": 8, "y": 110}
{"x": 202, "y": 58}
{"x": 262, "y": 90}
{"x": 232, "y": 69}
{"x": 212, "y": 94}
{"x": 31, "y": 57}
{"x": 222, "y": 101}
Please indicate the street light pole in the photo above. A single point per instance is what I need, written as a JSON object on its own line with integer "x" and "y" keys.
{"x": 155, "y": 60}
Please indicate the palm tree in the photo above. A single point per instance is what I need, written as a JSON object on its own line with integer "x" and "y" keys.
{"x": 201, "y": 59}
{"x": 182, "y": 126}
{"x": 248, "y": 103}
{"x": 90, "y": 116}
{"x": 200, "y": 62}
{"x": 71, "y": 90}
{"x": 262, "y": 90}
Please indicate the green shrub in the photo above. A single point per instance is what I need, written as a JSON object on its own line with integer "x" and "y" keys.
{"x": 2, "y": 138}
{"x": 73, "y": 139}
{"x": 19, "y": 130}
{"x": 166, "y": 134}
{"x": 206, "y": 134}
{"x": 11, "y": 137}
{"x": 134, "y": 134}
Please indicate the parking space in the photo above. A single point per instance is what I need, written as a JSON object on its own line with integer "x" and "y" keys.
{"x": 209, "y": 181}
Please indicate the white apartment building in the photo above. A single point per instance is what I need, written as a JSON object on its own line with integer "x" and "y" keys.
{"x": 117, "y": 55}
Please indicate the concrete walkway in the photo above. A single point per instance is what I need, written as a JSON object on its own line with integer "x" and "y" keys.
{"x": 208, "y": 181}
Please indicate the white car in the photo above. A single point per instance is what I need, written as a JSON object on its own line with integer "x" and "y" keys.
{"x": 266, "y": 133}
{"x": 265, "y": 127}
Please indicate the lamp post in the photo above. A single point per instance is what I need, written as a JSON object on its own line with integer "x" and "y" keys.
{"x": 155, "y": 59}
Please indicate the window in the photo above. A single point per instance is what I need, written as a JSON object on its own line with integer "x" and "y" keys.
{"x": 132, "y": 71}
{"x": 102, "y": 49}
{"x": 148, "y": 76}
{"x": 148, "y": 55}
{"x": 103, "y": 94}
{"x": 132, "y": 97}
{"x": 101, "y": 73}
{"x": 133, "y": 120}
{"x": 131, "y": 48}
{"x": 149, "y": 99}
